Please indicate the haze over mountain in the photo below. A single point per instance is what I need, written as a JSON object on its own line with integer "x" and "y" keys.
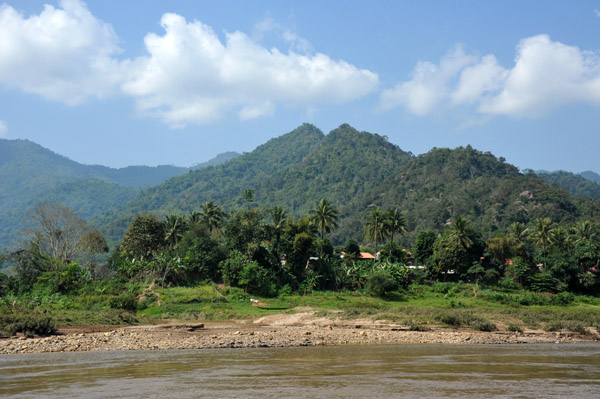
{"x": 584, "y": 183}
{"x": 30, "y": 173}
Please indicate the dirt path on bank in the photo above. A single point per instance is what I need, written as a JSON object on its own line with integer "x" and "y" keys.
{"x": 277, "y": 330}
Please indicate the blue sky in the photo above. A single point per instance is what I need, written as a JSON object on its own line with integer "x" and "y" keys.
{"x": 151, "y": 82}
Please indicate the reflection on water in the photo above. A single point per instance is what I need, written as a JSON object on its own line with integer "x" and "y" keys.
{"x": 432, "y": 371}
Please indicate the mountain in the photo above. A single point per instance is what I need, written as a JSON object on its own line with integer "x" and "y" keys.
{"x": 576, "y": 184}
{"x": 30, "y": 173}
{"x": 357, "y": 171}
{"x": 593, "y": 176}
{"x": 218, "y": 160}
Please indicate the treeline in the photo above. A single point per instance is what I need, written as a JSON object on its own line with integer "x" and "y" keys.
{"x": 266, "y": 252}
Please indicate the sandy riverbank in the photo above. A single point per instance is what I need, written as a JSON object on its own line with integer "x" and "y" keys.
{"x": 283, "y": 330}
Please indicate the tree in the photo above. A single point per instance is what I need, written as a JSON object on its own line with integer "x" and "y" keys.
{"x": 375, "y": 226}
{"x": 324, "y": 216}
{"x": 174, "y": 229}
{"x": 395, "y": 222}
{"x": 583, "y": 231}
{"x": 145, "y": 235}
{"x": 212, "y": 216}
{"x": 279, "y": 218}
{"x": 460, "y": 233}
{"x": 57, "y": 231}
{"x": 543, "y": 233}
{"x": 424, "y": 246}
{"x": 93, "y": 243}
{"x": 194, "y": 218}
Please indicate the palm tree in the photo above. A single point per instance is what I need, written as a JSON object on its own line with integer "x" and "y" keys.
{"x": 212, "y": 215}
{"x": 394, "y": 222}
{"x": 460, "y": 233}
{"x": 518, "y": 232}
{"x": 324, "y": 216}
{"x": 279, "y": 217}
{"x": 583, "y": 231}
{"x": 375, "y": 226}
{"x": 543, "y": 234}
{"x": 174, "y": 229}
{"x": 195, "y": 217}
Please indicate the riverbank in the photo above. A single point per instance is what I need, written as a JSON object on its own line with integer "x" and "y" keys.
{"x": 278, "y": 330}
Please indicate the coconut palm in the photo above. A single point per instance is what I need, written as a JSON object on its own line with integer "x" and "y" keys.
{"x": 460, "y": 233}
{"x": 279, "y": 217}
{"x": 174, "y": 229}
{"x": 583, "y": 231}
{"x": 324, "y": 217}
{"x": 212, "y": 216}
{"x": 394, "y": 222}
{"x": 195, "y": 217}
{"x": 375, "y": 228}
{"x": 518, "y": 232}
{"x": 543, "y": 233}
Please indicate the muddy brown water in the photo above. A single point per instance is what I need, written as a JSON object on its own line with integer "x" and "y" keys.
{"x": 399, "y": 371}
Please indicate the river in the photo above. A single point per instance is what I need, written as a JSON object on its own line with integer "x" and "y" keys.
{"x": 400, "y": 371}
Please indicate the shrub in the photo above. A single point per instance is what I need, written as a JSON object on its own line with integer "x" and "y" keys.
{"x": 485, "y": 326}
{"x": 380, "y": 284}
{"x": 124, "y": 301}
{"x": 28, "y": 324}
{"x": 563, "y": 299}
{"x": 514, "y": 328}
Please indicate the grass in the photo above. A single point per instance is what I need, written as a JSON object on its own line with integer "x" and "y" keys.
{"x": 419, "y": 307}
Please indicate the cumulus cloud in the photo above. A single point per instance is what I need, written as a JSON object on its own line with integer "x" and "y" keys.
{"x": 63, "y": 54}
{"x": 187, "y": 76}
{"x": 545, "y": 76}
{"x": 190, "y": 76}
{"x": 3, "y": 129}
{"x": 429, "y": 85}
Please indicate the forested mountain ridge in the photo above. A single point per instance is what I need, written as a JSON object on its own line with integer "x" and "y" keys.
{"x": 223, "y": 184}
{"x": 585, "y": 183}
{"x": 356, "y": 171}
{"x": 30, "y": 173}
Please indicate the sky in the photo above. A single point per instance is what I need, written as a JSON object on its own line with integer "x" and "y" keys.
{"x": 148, "y": 82}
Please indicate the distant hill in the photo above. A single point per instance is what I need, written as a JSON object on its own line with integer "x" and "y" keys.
{"x": 30, "y": 173}
{"x": 357, "y": 171}
{"x": 593, "y": 176}
{"x": 576, "y": 184}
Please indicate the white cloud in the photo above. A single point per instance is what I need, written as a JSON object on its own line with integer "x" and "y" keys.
{"x": 429, "y": 85}
{"x": 190, "y": 76}
{"x": 477, "y": 80}
{"x": 546, "y": 75}
{"x": 3, "y": 129}
{"x": 66, "y": 54}
{"x": 597, "y": 12}
{"x": 268, "y": 25}
{"x": 63, "y": 54}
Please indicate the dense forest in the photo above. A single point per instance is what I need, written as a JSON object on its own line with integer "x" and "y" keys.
{"x": 358, "y": 171}
{"x": 30, "y": 173}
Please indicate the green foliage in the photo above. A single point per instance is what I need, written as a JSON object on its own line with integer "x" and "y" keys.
{"x": 576, "y": 184}
{"x": 257, "y": 280}
{"x": 543, "y": 282}
{"x": 231, "y": 268}
{"x": 29, "y": 324}
{"x": 424, "y": 246}
{"x": 144, "y": 236}
{"x": 392, "y": 253}
{"x": 126, "y": 301}
{"x": 381, "y": 284}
